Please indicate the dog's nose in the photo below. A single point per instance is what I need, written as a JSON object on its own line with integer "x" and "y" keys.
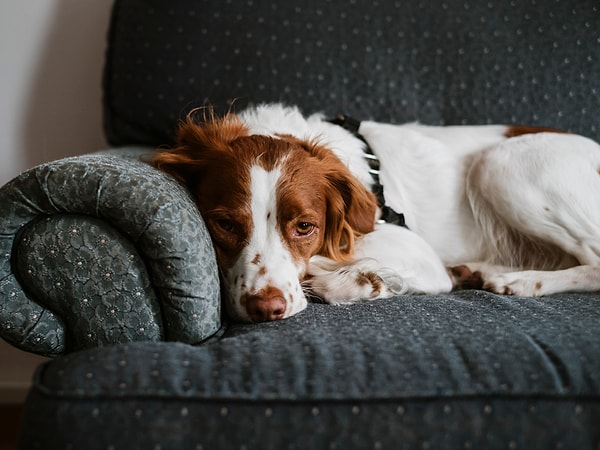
{"x": 264, "y": 308}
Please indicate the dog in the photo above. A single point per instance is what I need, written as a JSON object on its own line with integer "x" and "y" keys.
{"x": 290, "y": 205}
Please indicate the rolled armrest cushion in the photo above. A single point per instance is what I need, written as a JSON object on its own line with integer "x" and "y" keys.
{"x": 101, "y": 249}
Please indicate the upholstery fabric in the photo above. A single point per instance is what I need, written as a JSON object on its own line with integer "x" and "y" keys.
{"x": 99, "y": 250}
{"x": 467, "y": 370}
{"x": 439, "y": 62}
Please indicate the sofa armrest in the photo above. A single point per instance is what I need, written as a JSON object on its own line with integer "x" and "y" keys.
{"x": 100, "y": 249}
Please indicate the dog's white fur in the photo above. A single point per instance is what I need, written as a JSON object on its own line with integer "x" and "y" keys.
{"x": 521, "y": 213}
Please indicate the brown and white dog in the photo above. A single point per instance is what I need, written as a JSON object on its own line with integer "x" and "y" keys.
{"x": 287, "y": 200}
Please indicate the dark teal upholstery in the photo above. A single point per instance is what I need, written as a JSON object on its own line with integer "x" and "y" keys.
{"x": 465, "y": 370}
{"x": 99, "y": 250}
{"x": 440, "y": 61}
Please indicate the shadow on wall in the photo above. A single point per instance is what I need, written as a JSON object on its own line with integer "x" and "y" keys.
{"x": 63, "y": 116}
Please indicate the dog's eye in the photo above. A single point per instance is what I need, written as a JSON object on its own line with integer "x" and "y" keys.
{"x": 226, "y": 225}
{"x": 304, "y": 228}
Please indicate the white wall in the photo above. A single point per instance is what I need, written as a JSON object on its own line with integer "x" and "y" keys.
{"x": 51, "y": 57}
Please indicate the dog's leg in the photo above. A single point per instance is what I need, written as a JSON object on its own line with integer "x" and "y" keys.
{"x": 391, "y": 260}
{"x": 526, "y": 283}
{"x": 537, "y": 199}
{"x": 535, "y": 283}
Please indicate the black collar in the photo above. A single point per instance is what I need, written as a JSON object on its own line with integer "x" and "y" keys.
{"x": 388, "y": 215}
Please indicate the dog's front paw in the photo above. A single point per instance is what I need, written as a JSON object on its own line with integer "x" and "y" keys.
{"x": 339, "y": 283}
{"x": 347, "y": 287}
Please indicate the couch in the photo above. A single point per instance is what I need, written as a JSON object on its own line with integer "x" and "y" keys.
{"x": 106, "y": 265}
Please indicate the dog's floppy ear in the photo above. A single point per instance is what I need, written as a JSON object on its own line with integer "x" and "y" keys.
{"x": 351, "y": 207}
{"x": 197, "y": 142}
{"x": 351, "y": 212}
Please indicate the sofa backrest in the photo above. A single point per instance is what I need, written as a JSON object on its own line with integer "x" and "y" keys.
{"x": 532, "y": 62}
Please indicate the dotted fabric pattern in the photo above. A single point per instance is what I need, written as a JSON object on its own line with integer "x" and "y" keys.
{"x": 98, "y": 250}
{"x": 534, "y": 62}
{"x": 467, "y": 370}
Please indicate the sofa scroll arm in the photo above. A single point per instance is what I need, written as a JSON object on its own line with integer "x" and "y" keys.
{"x": 97, "y": 250}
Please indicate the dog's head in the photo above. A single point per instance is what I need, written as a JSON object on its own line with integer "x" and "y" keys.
{"x": 270, "y": 204}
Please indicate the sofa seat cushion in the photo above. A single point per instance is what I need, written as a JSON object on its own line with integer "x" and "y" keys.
{"x": 467, "y": 369}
